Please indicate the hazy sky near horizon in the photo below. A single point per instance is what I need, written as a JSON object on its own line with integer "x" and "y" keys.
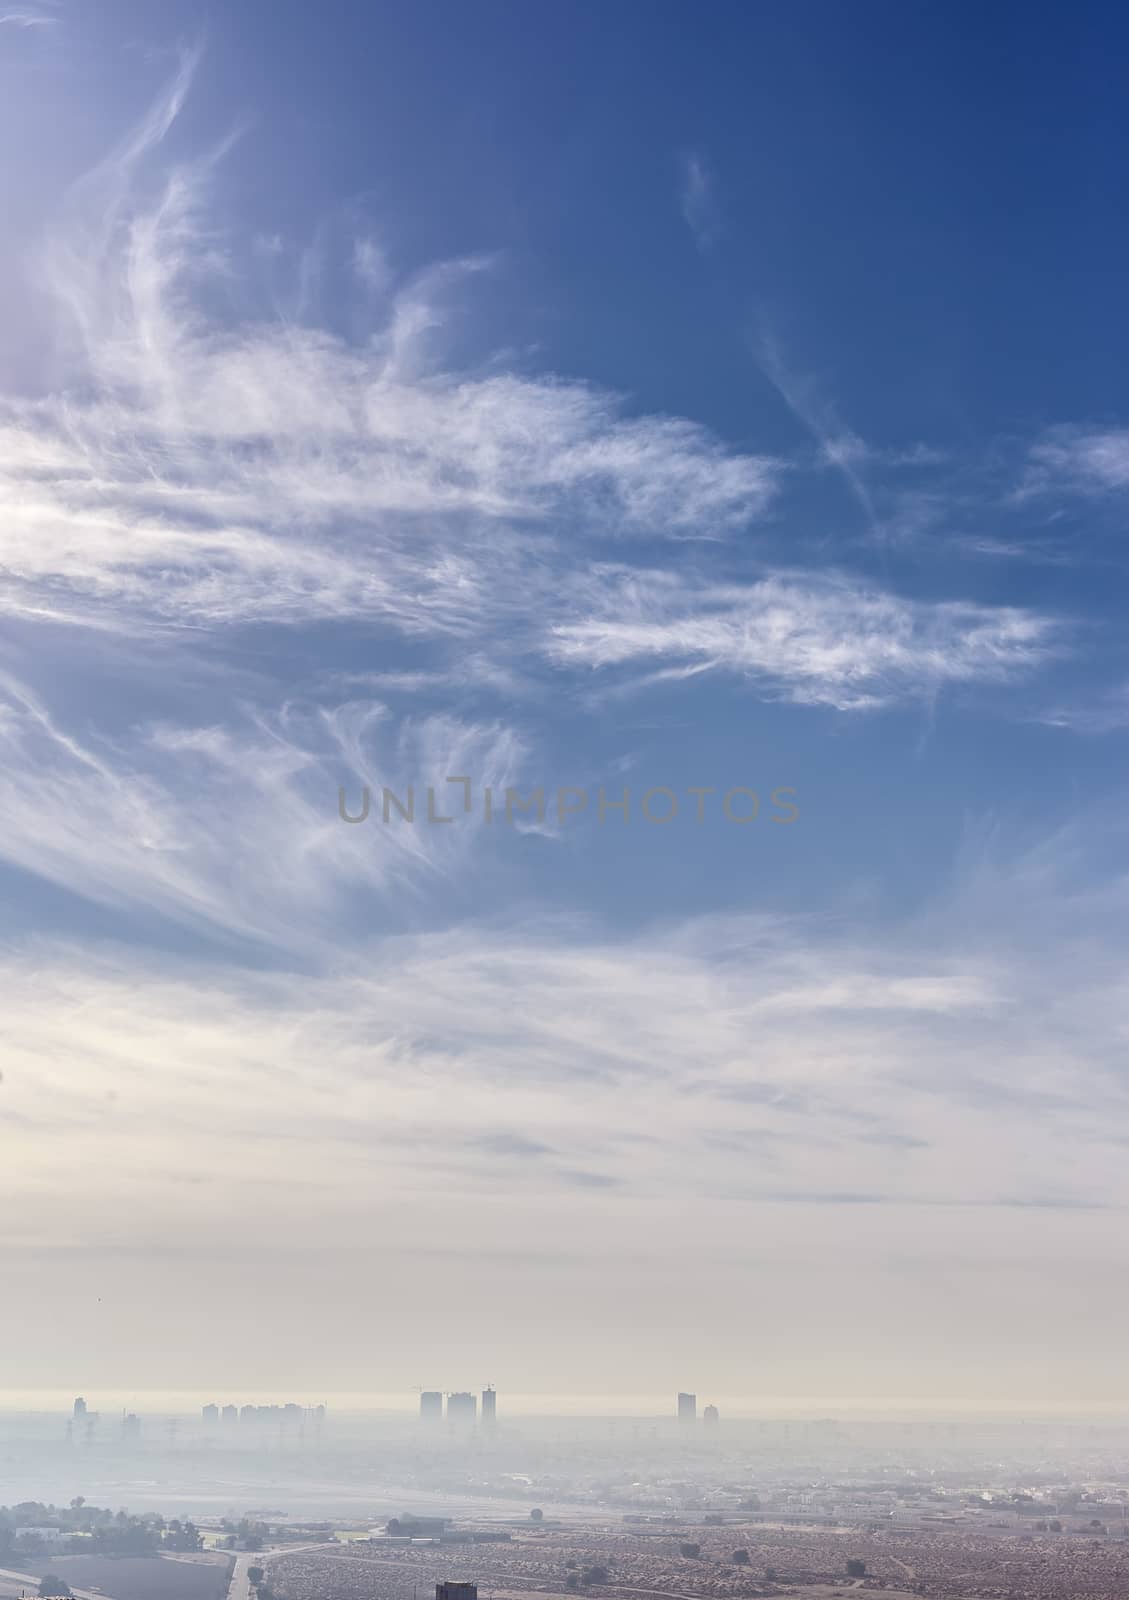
{"x": 571, "y": 399}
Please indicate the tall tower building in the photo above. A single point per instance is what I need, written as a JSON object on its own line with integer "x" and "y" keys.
{"x": 489, "y": 1406}
{"x": 711, "y": 1416}
{"x": 462, "y": 1409}
{"x": 80, "y": 1407}
{"x": 430, "y": 1406}
{"x": 210, "y": 1413}
{"x": 687, "y": 1410}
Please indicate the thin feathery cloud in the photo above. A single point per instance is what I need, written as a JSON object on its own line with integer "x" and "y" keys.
{"x": 839, "y": 446}
{"x": 234, "y": 828}
{"x": 1080, "y": 460}
{"x": 697, "y": 198}
{"x": 816, "y": 641}
{"x": 1107, "y": 712}
{"x": 195, "y": 473}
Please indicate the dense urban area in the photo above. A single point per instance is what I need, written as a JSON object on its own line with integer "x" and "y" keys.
{"x": 291, "y": 1502}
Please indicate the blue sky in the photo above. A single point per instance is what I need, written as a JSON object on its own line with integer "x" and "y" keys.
{"x": 583, "y": 398}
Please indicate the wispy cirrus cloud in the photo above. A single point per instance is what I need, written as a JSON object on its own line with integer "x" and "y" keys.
{"x": 1079, "y": 459}
{"x": 813, "y": 640}
{"x": 195, "y": 471}
{"x": 27, "y": 19}
{"x": 839, "y": 447}
{"x": 232, "y": 828}
{"x": 202, "y": 473}
{"x": 697, "y": 199}
{"x": 1107, "y": 711}
{"x": 283, "y": 484}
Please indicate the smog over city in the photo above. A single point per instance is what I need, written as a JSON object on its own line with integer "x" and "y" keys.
{"x": 564, "y": 764}
{"x": 289, "y": 1499}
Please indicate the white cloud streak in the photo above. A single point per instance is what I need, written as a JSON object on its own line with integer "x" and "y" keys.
{"x": 839, "y": 446}
{"x": 1077, "y": 459}
{"x": 234, "y": 829}
{"x": 814, "y": 641}
{"x": 201, "y": 472}
{"x": 697, "y": 198}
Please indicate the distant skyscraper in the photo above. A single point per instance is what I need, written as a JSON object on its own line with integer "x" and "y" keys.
{"x": 210, "y": 1413}
{"x": 230, "y": 1413}
{"x": 461, "y": 1408}
{"x": 430, "y": 1406}
{"x": 687, "y": 1409}
{"x": 131, "y": 1426}
{"x": 80, "y": 1407}
{"x": 711, "y": 1416}
{"x": 489, "y": 1406}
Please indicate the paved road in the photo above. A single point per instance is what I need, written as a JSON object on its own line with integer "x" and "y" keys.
{"x": 240, "y": 1586}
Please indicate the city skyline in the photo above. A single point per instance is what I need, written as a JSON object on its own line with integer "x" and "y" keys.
{"x": 624, "y": 1405}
